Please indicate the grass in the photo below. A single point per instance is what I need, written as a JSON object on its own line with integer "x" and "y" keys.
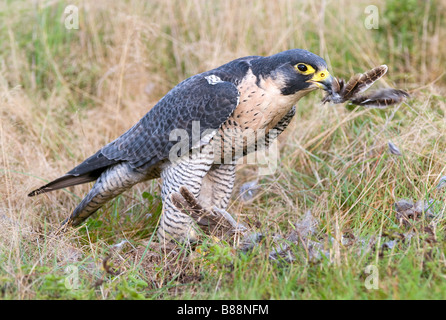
{"x": 65, "y": 93}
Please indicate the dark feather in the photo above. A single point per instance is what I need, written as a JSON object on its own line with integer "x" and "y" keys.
{"x": 338, "y": 85}
{"x": 95, "y": 162}
{"x": 87, "y": 171}
{"x": 381, "y": 98}
{"x": 350, "y": 87}
{"x": 351, "y": 91}
{"x": 361, "y": 82}
{"x": 67, "y": 180}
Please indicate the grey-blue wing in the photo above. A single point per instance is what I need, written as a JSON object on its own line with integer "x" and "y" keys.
{"x": 193, "y": 100}
{"x": 147, "y": 142}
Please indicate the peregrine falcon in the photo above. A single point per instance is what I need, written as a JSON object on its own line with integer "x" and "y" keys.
{"x": 238, "y": 104}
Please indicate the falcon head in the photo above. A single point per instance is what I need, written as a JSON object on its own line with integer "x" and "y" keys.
{"x": 294, "y": 71}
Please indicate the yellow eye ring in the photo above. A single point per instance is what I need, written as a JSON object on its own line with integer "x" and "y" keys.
{"x": 304, "y": 68}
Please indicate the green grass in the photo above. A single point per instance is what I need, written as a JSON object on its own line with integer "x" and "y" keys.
{"x": 66, "y": 93}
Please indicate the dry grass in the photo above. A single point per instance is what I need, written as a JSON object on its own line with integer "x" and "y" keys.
{"x": 65, "y": 93}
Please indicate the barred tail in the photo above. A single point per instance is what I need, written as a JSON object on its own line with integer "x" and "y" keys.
{"x": 112, "y": 182}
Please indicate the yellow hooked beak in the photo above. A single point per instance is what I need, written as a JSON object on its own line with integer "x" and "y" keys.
{"x": 323, "y": 79}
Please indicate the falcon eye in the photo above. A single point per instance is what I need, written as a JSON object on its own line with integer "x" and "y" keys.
{"x": 302, "y": 67}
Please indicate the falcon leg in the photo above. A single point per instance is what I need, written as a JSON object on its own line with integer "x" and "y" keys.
{"x": 217, "y": 186}
{"x": 188, "y": 172}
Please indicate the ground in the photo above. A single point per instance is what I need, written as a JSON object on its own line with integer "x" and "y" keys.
{"x": 65, "y": 92}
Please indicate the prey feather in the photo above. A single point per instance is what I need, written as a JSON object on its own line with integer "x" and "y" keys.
{"x": 352, "y": 91}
